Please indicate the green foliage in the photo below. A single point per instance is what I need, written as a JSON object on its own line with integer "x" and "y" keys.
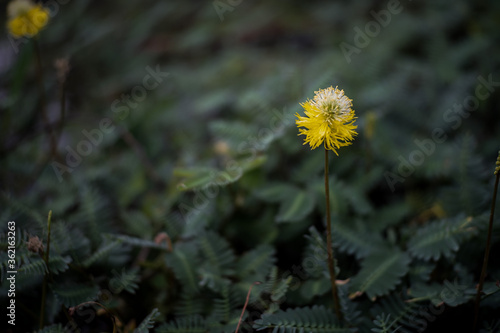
{"x": 184, "y": 262}
{"x": 125, "y": 280}
{"x": 201, "y": 189}
{"x": 315, "y": 319}
{"x": 72, "y": 295}
{"x": 37, "y": 266}
{"x": 192, "y": 324}
{"x": 102, "y": 253}
{"x": 148, "y": 322}
{"x": 218, "y": 261}
{"x": 58, "y": 328}
{"x": 381, "y": 272}
{"x": 255, "y": 264}
{"x": 295, "y": 203}
{"x": 217, "y": 253}
{"x": 393, "y": 314}
{"x": 133, "y": 241}
{"x": 315, "y": 252}
{"x": 275, "y": 286}
{"x": 358, "y": 242}
{"x": 440, "y": 238}
{"x": 225, "y": 314}
{"x": 384, "y": 324}
{"x": 491, "y": 327}
{"x": 187, "y": 305}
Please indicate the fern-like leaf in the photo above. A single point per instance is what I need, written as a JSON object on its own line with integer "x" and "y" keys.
{"x": 191, "y": 324}
{"x": 226, "y": 312}
{"x": 102, "y": 253}
{"x": 440, "y": 238}
{"x": 219, "y": 261}
{"x": 222, "y": 306}
{"x": 37, "y": 266}
{"x": 126, "y": 280}
{"x": 65, "y": 239}
{"x": 189, "y": 305}
{"x": 315, "y": 287}
{"x": 277, "y": 286}
{"x": 317, "y": 319}
{"x": 184, "y": 261}
{"x": 384, "y": 324}
{"x": 71, "y": 295}
{"x": 53, "y": 329}
{"x": 350, "y": 309}
{"x": 256, "y": 264}
{"x": 92, "y": 214}
{"x": 134, "y": 241}
{"x": 357, "y": 242}
{"x": 296, "y": 206}
{"x": 404, "y": 317}
{"x": 381, "y": 272}
{"x": 316, "y": 250}
{"x": 148, "y": 322}
{"x": 493, "y": 327}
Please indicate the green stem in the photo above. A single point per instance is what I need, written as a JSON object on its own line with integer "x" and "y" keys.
{"x": 486, "y": 253}
{"x": 331, "y": 259}
{"x": 45, "y": 277}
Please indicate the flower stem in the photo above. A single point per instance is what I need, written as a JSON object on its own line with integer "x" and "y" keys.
{"x": 331, "y": 259}
{"x": 45, "y": 278}
{"x": 487, "y": 251}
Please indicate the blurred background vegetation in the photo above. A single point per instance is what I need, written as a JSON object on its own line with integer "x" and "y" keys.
{"x": 210, "y": 156}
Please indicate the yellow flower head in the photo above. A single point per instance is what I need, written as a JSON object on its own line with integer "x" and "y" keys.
{"x": 329, "y": 119}
{"x": 26, "y": 18}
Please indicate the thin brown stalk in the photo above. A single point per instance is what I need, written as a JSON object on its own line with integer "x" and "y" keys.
{"x": 486, "y": 252}
{"x": 331, "y": 259}
{"x": 245, "y": 306}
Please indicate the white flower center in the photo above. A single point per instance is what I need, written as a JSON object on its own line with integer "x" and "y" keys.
{"x": 335, "y": 105}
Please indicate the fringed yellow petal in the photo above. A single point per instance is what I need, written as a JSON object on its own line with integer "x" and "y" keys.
{"x": 328, "y": 120}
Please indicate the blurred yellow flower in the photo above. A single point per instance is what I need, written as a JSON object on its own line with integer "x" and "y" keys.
{"x": 371, "y": 120}
{"x": 26, "y": 18}
{"x": 329, "y": 119}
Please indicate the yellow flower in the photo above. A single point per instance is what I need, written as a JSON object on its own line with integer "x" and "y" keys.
{"x": 329, "y": 119}
{"x": 26, "y": 18}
